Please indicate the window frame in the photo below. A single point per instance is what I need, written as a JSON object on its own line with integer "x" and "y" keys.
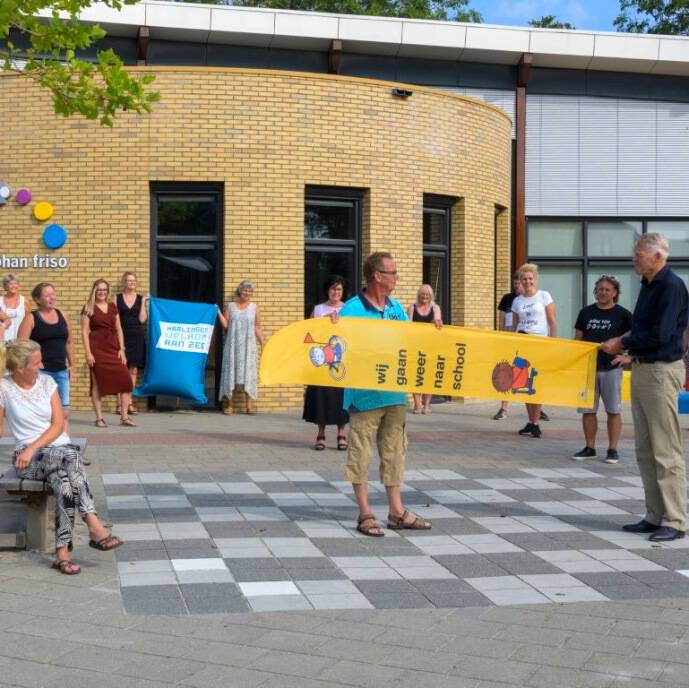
{"x": 441, "y": 205}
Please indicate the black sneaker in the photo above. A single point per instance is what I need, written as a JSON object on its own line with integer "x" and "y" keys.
{"x": 585, "y": 453}
{"x": 543, "y": 416}
{"x": 526, "y": 430}
{"x": 535, "y": 431}
{"x": 612, "y": 456}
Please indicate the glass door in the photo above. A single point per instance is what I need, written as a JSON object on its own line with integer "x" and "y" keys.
{"x": 186, "y": 261}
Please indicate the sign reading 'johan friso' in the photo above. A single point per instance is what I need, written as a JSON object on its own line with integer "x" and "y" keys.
{"x": 418, "y": 358}
{"x": 37, "y": 261}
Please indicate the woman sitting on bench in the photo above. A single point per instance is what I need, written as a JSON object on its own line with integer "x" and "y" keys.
{"x": 43, "y": 451}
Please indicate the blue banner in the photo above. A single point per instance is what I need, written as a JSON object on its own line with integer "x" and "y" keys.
{"x": 179, "y": 336}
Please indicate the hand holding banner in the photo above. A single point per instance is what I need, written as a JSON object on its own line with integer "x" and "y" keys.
{"x": 416, "y": 358}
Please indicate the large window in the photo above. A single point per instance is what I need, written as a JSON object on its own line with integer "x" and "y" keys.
{"x": 186, "y": 257}
{"x": 574, "y": 253}
{"x": 436, "y": 249}
{"x": 332, "y": 227}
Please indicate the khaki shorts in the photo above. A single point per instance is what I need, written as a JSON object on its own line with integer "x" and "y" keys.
{"x": 385, "y": 426}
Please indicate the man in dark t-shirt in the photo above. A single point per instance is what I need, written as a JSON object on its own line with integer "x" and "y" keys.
{"x": 599, "y": 322}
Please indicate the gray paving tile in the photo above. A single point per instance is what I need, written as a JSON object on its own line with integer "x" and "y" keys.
{"x": 395, "y": 600}
{"x": 213, "y": 598}
{"x": 470, "y": 565}
{"x": 387, "y": 587}
{"x": 165, "y": 599}
{"x": 457, "y": 599}
{"x": 521, "y": 563}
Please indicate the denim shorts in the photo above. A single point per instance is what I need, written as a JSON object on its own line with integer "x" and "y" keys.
{"x": 61, "y": 378}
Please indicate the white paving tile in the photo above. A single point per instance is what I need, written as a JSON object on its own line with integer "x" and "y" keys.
{"x": 590, "y": 566}
{"x": 168, "y": 502}
{"x": 542, "y": 472}
{"x": 449, "y": 496}
{"x": 546, "y": 524}
{"x": 602, "y": 493}
{"x": 154, "y": 578}
{"x": 198, "y": 564}
{"x": 183, "y": 531}
{"x": 538, "y": 484}
{"x": 240, "y": 488}
{"x": 556, "y": 508}
{"x": 120, "y": 478}
{"x": 201, "y": 488}
{"x": 158, "y": 478}
{"x": 488, "y": 496}
{"x": 359, "y": 562}
{"x": 594, "y": 507}
{"x": 442, "y": 474}
{"x": 213, "y": 576}
{"x": 541, "y": 581}
{"x": 370, "y": 573}
{"x": 269, "y": 588}
{"x": 262, "y": 513}
{"x": 486, "y": 583}
{"x": 561, "y": 555}
{"x": 327, "y": 587}
{"x": 266, "y": 477}
{"x": 136, "y": 532}
{"x": 351, "y": 601}
{"x": 574, "y": 594}
{"x": 303, "y": 476}
{"x": 145, "y": 566}
{"x": 487, "y": 544}
{"x": 504, "y": 598}
{"x": 127, "y": 502}
{"x": 323, "y": 529}
{"x": 425, "y": 573}
{"x": 499, "y": 525}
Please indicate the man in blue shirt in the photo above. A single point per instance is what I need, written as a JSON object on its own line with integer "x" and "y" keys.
{"x": 655, "y": 346}
{"x": 376, "y": 416}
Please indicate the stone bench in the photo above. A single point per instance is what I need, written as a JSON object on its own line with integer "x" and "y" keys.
{"x": 36, "y": 494}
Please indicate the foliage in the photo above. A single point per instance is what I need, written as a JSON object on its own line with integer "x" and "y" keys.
{"x": 550, "y": 21}
{"x": 654, "y": 16}
{"x": 456, "y": 10}
{"x": 96, "y": 90}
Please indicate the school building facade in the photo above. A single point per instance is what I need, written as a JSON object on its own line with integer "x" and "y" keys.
{"x": 289, "y": 145}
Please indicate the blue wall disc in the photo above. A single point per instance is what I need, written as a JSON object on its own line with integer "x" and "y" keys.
{"x": 54, "y": 236}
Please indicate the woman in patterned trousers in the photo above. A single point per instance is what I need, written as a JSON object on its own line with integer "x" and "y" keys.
{"x": 43, "y": 451}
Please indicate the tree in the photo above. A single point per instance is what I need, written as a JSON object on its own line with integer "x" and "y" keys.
{"x": 96, "y": 90}
{"x": 550, "y": 21}
{"x": 455, "y": 10}
{"x": 654, "y": 16}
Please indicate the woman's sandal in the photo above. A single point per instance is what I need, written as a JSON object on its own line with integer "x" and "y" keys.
{"x": 341, "y": 442}
{"x": 100, "y": 423}
{"x": 367, "y": 524}
{"x": 320, "y": 443}
{"x": 132, "y": 410}
{"x": 107, "y": 543}
{"x": 398, "y": 522}
{"x": 66, "y": 567}
{"x": 127, "y": 422}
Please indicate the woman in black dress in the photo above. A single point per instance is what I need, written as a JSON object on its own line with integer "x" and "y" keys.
{"x": 323, "y": 405}
{"x": 133, "y": 314}
{"x": 425, "y": 310}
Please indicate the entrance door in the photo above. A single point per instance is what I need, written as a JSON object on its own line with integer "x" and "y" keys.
{"x": 186, "y": 260}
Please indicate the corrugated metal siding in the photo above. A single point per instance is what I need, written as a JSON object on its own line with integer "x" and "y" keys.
{"x": 505, "y": 100}
{"x": 606, "y": 156}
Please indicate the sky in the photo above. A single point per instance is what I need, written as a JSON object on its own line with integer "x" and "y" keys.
{"x": 583, "y": 14}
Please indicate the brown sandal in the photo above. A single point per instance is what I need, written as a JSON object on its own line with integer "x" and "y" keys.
{"x": 398, "y": 522}
{"x": 107, "y": 543}
{"x": 127, "y": 422}
{"x": 366, "y": 524}
{"x": 132, "y": 410}
{"x": 100, "y": 423}
{"x": 320, "y": 443}
{"x": 66, "y": 567}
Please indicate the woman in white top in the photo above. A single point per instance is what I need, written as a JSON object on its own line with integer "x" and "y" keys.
{"x": 425, "y": 309}
{"x": 533, "y": 312}
{"x": 43, "y": 451}
{"x": 12, "y": 308}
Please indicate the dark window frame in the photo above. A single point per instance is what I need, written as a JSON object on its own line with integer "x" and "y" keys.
{"x": 187, "y": 191}
{"x": 337, "y": 196}
{"x": 587, "y": 262}
{"x": 441, "y": 205}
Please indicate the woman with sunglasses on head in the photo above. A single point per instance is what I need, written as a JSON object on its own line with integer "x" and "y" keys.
{"x": 30, "y": 404}
{"x": 52, "y": 329}
{"x": 104, "y": 345}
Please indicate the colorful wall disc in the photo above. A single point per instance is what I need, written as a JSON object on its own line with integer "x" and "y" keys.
{"x": 43, "y": 211}
{"x": 54, "y": 236}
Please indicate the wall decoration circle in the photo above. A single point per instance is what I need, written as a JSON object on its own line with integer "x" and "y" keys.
{"x": 43, "y": 211}
{"x": 54, "y": 236}
{"x": 23, "y": 196}
{"x": 5, "y": 191}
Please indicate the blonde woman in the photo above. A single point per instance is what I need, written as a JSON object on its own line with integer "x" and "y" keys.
{"x": 104, "y": 345}
{"x": 44, "y": 451}
{"x": 428, "y": 311}
{"x": 132, "y": 308}
{"x": 242, "y": 320}
{"x": 12, "y": 308}
{"x": 533, "y": 312}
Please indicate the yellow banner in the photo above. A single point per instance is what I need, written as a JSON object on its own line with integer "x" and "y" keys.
{"x": 390, "y": 355}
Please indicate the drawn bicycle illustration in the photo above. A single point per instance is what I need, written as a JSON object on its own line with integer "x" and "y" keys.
{"x": 329, "y": 354}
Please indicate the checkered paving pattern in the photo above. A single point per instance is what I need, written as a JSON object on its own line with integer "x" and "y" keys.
{"x": 285, "y": 540}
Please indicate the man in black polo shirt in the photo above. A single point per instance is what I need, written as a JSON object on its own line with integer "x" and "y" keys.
{"x": 655, "y": 346}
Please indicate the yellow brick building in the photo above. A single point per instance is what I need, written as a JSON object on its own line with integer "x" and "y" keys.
{"x": 262, "y": 139}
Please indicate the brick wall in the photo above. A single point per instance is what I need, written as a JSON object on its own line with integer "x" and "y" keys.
{"x": 266, "y": 135}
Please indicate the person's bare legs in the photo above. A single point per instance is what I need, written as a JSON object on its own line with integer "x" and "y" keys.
{"x": 417, "y": 403}
{"x": 361, "y": 494}
{"x": 97, "y": 532}
{"x": 534, "y": 412}
{"x": 65, "y": 414}
{"x": 614, "y": 429}
{"x": 95, "y": 399}
{"x": 589, "y": 423}
{"x": 427, "y": 402}
{"x": 125, "y": 400}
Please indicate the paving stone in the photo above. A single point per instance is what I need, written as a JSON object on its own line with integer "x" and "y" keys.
{"x": 395, "y": 600}
{"x": 164, "y": 599}
{"x": 518, "y": 563}
{"x": 470, "y": 565}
